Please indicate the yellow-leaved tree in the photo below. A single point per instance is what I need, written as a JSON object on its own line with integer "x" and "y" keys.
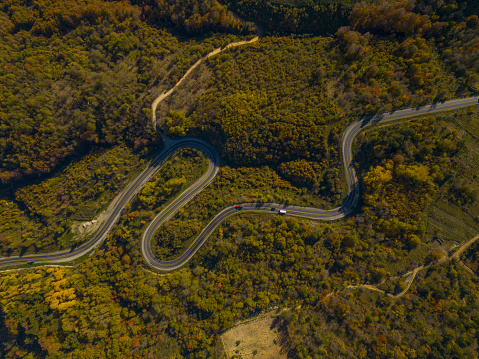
{"x": 60, "y": 297}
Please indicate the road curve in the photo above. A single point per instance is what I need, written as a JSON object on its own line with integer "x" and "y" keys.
{"x": 133, "y": 188}
{"x": 172, "y": 146}
{"x": 307, "y": 212}
{"x": 128, "y": 193}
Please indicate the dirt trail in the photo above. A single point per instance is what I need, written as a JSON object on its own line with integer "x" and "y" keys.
{"x": 164, "y": 95}
{"x": 376, "y": 289}
{"x": 367, "y": 286}
{"x": 465, "y": 246}
{"x": 413, "y": 273}
{"x": 410, "y": 280}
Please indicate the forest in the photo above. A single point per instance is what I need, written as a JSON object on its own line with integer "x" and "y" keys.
{"x": 255, "y": 262}
{"x": 81, "y": 78}
{"x": 257, "y": 109}
{"x": 324, "y": 17}
{"x": 77, "y": 81}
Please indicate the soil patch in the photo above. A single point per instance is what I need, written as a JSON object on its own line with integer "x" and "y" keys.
{"x": 257, "y": 338}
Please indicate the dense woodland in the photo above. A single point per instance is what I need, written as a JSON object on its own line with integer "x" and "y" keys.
{"x": 65, "y": 92}
{"x": 260, "y": 110}
{"x": 438, "y": 318}
{"x": 73, "y": 77}
{"x": 75, "y": 111}
{"x": 320, "y": 17}
{"x": 42, "y": 214}
{"x": 77, "y": 81}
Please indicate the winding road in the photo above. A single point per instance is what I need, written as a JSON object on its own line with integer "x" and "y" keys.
{"x": 306, "y": 212}
{"x": 172, "y": 146}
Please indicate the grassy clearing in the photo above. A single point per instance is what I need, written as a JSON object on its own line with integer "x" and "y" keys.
{"x": 409, "y": 261}
{"x": 257, "y": 337}
{"x": 450, "y": 217}
{"x": 447, "y": 221}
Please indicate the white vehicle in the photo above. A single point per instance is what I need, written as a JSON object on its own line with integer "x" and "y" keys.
{"x": 282, "y": 211}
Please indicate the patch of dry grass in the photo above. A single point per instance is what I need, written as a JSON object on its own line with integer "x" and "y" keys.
{"x": 257, "y": 338}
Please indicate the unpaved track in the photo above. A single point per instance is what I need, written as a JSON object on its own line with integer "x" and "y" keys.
{"x": 463, "y": 247}
{"x": 413, "y": 273}
{"x": 216, "y": 51}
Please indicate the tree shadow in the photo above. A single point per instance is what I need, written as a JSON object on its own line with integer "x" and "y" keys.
{"x": 4, "y": 334}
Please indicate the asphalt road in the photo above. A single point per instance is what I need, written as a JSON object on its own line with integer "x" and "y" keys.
{"x": 128, "y": 193}
{"x": 306, "y": 212}
{"x": 172, "y": 146}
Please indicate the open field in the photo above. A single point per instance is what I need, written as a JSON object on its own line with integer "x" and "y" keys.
{"x": 256, "y": 338}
